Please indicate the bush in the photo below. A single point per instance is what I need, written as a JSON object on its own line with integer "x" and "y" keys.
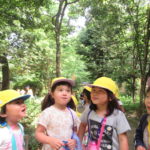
{"x": 29, "y": 122}
{"x": 34, "y": 84}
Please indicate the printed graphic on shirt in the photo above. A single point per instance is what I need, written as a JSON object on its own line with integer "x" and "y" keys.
{"x": 106, "y": 143}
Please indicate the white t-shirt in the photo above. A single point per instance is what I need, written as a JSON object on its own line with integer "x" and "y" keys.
{"x": 6, "y": 137}
{"x": 58, "y": 124}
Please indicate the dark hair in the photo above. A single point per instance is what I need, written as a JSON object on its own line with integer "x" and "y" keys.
{"x": 148, "y": 90}
{"x": 48, "y": 100}
{"x": 88, "y": 94}
{"x": 3, "y": 111}
{"x": 113, "y": 104}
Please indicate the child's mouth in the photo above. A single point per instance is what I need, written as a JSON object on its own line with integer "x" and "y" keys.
{"x": 148, "y": 107}
{"x": 23, "y": 110}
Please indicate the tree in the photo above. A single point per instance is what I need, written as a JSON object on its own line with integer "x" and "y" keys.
{"x": 57, "y": 22}
{"x": 140, "y": 23}
{"x": 5, "y": 72}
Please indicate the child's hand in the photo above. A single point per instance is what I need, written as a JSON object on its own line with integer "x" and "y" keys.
{"x": 56, "y": 144}
{"x": 71, "y": 144}
{"x": 140, "y": 148}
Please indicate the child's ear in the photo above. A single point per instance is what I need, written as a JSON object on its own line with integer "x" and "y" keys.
{"x": 110, "y": 99}
{"x": 3, "y": 115}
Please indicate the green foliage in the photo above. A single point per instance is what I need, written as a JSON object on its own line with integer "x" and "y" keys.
{"x": 128, "y": 103}
{"x": 112, "y": 42}
{"x": 34, "y": 84}
{"x": 29, "y": 123}
{"x": 126, "y": 99}
{"x": 72, "y": 65}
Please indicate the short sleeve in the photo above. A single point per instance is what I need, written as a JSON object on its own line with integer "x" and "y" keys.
{"x": 44, "y": 118}
{"x": 122, "y": 124}
{"x": 84, "y": 115}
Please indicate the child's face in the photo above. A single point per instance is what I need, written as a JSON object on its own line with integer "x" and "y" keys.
{"x": 147, "y": 102}
{"x": 15, "y": 110}
{"x": 85, "y": 98}
{"x": 99, "y": 96}
{"x": 62, "y": 95}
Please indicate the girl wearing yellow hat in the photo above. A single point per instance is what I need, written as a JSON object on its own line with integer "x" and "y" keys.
{"x": 12, "y": 109}
{"x": 86, "y": 96}
{"x": 107, "y": 125}
{"x": 58, "y": 121}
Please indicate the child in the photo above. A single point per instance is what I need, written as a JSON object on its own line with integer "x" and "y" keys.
{"x": 142, "y": 136}
{"x": 57, "y": 121}
{"x": 86, "y": 98}
{"x": 12, "y": 110}
{"x": 107, "y": 125}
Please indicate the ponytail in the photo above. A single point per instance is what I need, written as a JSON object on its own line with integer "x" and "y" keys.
{"x": 47, "y": 101}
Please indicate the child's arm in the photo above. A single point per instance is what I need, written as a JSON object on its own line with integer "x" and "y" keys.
{"x": 43, "y": 138}
{"x": 138, "y": 139}
{"x": 140, "y": 148}
{"x": 81, "y": 131}
{"x": 123, "y": 142}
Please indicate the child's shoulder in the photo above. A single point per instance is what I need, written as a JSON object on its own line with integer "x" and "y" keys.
{"x": 72, "y": 111}
{"x": 117, "y": 113}
{"x": 50, "y": 108}
{"x": 144, "y": 117}
{"x": 3, "y": 130}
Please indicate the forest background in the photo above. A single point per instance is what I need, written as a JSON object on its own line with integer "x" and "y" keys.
{"x": 78, "y": 39}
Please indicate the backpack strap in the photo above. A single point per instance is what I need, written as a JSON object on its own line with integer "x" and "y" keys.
{"x": 13, "y": 140}
{"x": 88, "y": 122}
{"x": 74, "y": 136}
{"x": 72, "y": 121}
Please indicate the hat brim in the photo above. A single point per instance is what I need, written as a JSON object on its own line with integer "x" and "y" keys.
{"x": 92, "y": 85}
{"x": 24, "y": 97}
{"x": 71, "y": 82}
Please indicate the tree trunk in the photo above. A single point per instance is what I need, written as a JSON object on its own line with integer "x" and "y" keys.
{"x": 57, "y": 22}
{"x": 133, "y": 89}
{"x": 5, "y": 72}
{"x": 58, "y": 55}
{"x": 145, "y": 66}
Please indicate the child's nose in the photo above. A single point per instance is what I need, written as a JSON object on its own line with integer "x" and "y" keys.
{"x": 65, "y": 92}
{"x": 23, "y": 104}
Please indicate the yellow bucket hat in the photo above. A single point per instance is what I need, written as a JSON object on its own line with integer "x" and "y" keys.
{"x": 61, "y": 79}
{"x": 7, "y": 96}
{"x": 106, "y": 83}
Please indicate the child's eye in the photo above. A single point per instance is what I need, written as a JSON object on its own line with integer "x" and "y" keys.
{"x": 60, "y": 89}
{"x": 19, "y": 102}
{"x": 68, "y": 91}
